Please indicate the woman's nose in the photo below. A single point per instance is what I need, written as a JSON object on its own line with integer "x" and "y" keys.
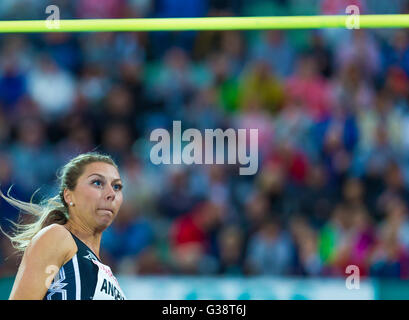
{"x": 110, "y": 193}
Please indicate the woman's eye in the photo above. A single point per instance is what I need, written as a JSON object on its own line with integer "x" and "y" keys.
{"x": 98, "y": 183}
{"x": 117, "y": 187}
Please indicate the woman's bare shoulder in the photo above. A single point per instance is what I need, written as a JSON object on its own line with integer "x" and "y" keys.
{"x": 53, "y": 232}
{"x": 54, "y": 239}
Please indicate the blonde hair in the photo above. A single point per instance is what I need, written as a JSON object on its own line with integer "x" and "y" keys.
{"x": 54, "y": 209}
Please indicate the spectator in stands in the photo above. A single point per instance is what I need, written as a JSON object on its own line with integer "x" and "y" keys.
{"x": 130, "y": 234}
{"x": 269, "y": 250}
{"x": 191, "y": 241}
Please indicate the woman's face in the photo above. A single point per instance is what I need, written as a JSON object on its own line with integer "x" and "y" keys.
{"x": 97, "y": 196}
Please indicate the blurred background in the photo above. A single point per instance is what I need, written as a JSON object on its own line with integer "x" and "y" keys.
{"x": 332, "y": 111}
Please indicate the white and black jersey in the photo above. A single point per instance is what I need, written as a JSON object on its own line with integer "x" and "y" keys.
{"x": 84, "y": 277}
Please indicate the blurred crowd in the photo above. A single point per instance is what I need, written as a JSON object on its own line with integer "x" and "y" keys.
{"x": 331, "y": 107}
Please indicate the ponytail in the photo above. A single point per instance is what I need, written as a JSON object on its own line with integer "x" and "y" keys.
{"x": 50, "y": 211}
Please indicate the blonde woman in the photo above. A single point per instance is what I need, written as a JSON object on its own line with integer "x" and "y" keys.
{"x": 61, "y": 247}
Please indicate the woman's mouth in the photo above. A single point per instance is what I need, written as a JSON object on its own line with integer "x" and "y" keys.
{"x": 107, "y": 211}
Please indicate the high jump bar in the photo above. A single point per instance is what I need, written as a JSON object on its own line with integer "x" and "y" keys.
{"x": 207, "y": 23}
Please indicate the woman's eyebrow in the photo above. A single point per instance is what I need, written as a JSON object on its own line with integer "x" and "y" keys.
{"x": 100, "y": 175}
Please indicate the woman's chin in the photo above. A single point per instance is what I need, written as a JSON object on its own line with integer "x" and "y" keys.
{"x": 104, "y": 221}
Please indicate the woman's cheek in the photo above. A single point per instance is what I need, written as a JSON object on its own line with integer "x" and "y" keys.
{"x": 93, "y": 194}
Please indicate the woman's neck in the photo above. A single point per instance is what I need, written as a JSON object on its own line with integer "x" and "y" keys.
{"x": 91, "y": 238}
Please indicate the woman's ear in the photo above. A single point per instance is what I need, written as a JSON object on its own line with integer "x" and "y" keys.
{"x": 67, "y": 196}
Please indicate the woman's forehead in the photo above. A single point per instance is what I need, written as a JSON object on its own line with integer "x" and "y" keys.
{"x": 103, "y": 169}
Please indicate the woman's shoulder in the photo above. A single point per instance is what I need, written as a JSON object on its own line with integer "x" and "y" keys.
{"x": 54, "y": 231}
{"x": 56, "y": 239}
